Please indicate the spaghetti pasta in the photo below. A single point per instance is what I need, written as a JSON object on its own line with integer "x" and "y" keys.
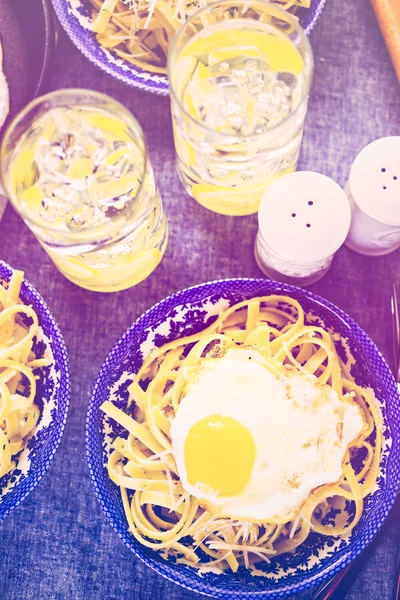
{"x": 141, "y": 31}
{"x": 18, "y": 412}
{"x": 163, "y": 516}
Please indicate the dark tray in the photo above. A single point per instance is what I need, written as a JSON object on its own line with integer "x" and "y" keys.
{"x": 28, "y": 35}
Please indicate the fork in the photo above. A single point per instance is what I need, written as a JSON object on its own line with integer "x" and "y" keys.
{"x": 395, "y": 306}
{"x": 342, "y": 582}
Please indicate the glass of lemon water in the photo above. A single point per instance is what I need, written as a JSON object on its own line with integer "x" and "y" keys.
{"x": 75, "y": 166}
{"x": 240, "y": 73}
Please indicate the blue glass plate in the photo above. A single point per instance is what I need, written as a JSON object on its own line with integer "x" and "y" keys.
{"x": 75, "y": 15}
{"x": 185, "y": 313}
{"x": 52, "y": 397}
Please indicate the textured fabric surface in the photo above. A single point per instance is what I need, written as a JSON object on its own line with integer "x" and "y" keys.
{"x": 57, "y": 545}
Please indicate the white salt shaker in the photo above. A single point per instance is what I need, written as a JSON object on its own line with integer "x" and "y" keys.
{"x": 304, "y": 218}
{"x": 373, "y": 190}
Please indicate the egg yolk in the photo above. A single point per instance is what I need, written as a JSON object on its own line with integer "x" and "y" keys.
{"x": 219, "y": 453}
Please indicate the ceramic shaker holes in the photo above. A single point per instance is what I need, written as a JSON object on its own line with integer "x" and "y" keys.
{"x": 304, "y": 218}
{"x": 373, "y": 190}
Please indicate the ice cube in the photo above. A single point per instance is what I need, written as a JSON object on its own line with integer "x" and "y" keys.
{"x": 273, "y": 101}
{"x": 73, "y": 197}
{"x": 238, "y": 67}
{"x": 222, "y": 67}
{"x": 217, "y": 171}
{"x": 82, "y": 214}
{"x": 224, "y": 105}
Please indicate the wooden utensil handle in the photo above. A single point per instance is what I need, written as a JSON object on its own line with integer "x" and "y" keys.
{"x": 388, "y": 17}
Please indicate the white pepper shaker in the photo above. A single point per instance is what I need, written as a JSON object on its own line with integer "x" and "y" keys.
{"x": 373, "y": 190}
{"x": 304, "y": 218}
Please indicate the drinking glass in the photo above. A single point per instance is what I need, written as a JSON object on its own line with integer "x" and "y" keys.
{"x": 240, "y": 73}
{"x": 75, "y": 166}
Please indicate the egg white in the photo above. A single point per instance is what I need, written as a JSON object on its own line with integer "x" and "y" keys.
{"x": 300, "y": 428}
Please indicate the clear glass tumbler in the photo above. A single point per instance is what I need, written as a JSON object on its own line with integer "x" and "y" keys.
{"x": 240, "y": 73}
{"x": 75, "y": 166}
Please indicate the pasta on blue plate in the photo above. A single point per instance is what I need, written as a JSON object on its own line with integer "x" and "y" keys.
{"x": 242, "y": 438}
{"x": 18, "y": 412}
{"x": 141, "y": 31}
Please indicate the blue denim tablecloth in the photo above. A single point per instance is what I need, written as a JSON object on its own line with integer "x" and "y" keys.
{"x": 57, "y": 545}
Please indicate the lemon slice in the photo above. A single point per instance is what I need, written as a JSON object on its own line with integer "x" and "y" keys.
{"x": 137, "y": 268}
{"x": 189, "y": 104}
{"x": 121, "y": 277}
{"x": 112, "y": 189}
{"x": 185, "y": 151}
{"x": 114, "y": 156}
{"x": 32, "y": 198}
{"x": 73, "y": 268}
{"x": 183, "y": 73}
{"x": 109, "y": 279}
{"x": 22, "y": 170}
{"x": 111, "y": 127}
{"x": 49, "y": 128}
{"x": 225, "y": 54}
{"x": 203, "y": 74}
{"x": 280, "y": 53}
{"x": 233, "y": 201}
{"x": 80, "y": 168}
{"x": 188, "y": 71}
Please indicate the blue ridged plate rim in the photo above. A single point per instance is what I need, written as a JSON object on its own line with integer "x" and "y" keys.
{"x": 299, "y": 571}
{"x": 85, "y": 41}
{"x": 53, "y": 393}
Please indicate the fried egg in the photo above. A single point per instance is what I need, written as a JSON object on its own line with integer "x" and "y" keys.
{"x": 252, "y": 440}
{"x": 4, "y": 92}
